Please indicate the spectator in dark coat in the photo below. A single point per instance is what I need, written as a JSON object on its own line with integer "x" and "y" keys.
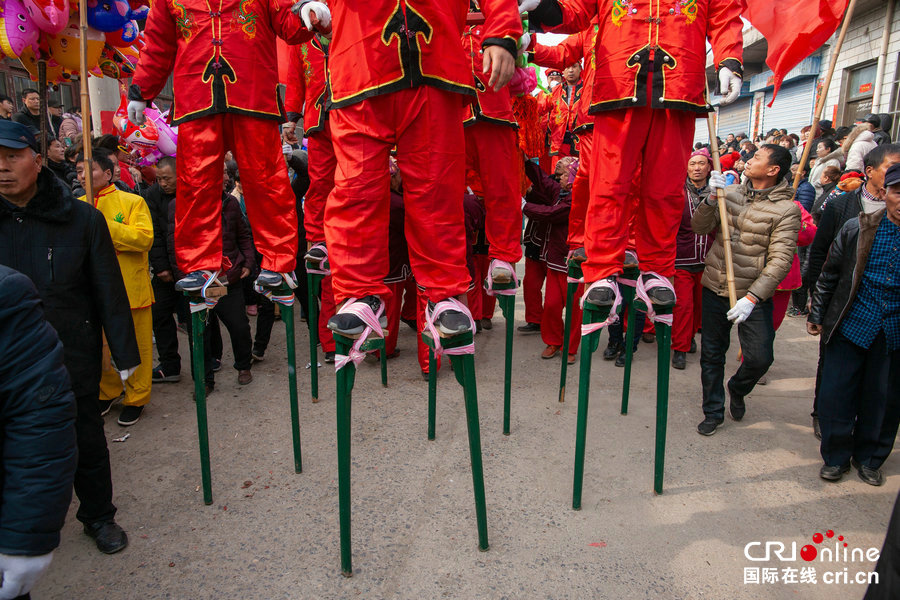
{"x": 37, "y": 426}
{"x": 30, "y": 114}
{"x": 64, "y": 247}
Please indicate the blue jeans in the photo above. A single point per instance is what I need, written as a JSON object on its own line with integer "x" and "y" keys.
{"x": 757, "y": 337}
{"x": 859, "y": 410}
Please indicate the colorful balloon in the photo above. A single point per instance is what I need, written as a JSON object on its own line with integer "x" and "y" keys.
{"x": 17, "y": 30}
{"x": 145, "y": 135}
{"x": 50, "y": 16}
{"x": 55, "y": 73}
{"x": 110, "y": 15}
{"x": 64, "y": 46}
{"x": 125, "y": 36}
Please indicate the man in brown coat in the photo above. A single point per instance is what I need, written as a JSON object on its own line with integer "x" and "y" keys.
{"x": 763, "y": 221}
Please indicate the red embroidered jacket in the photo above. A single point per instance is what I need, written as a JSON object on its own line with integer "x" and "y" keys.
{"x": 571, "y": 50}
{"x": 662, "y": 39}
{"x": 562, "y": 108}
{"x": 305, "y": 93}
{"x": 382, "y": 46}
{"x": 490, "y": 106}
{"x": 221, "y": 55}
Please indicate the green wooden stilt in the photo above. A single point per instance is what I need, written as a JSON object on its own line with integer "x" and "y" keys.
{"x": 571, "y": 288}
{"x": 345, "y": 379}
{"x": 508, "y": 308}
{"x": 589, "y": 343}
{"x": 628, "y": 293}
{"x": 432, "y": 393}
{"x": 198, "y": 327}
{"x": 464, "y": 370}
{"x": 383, "y": 356}
{"x": 314, "y": 284}
{"x": 287, "y": 317}
{"x": 663, "y": 341}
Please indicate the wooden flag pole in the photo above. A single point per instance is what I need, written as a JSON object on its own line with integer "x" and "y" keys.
{"x": 820, "y": 102}
{"x": 724, "y": 230}
{"x": 42, "y": 112}
{"x": 86, "y": 128}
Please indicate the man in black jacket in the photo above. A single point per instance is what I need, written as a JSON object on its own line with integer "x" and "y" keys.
{"x": 30, "y": 115}
{"x": 37, "y": 426}
{"x": 64, "y": 247}
{"x": 856, "y": 309}
{"x": 167, "y": 299}
{"x": 836, "y": 212}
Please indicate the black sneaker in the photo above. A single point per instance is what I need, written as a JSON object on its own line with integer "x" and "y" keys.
{"x": 329, "y": 357}
{"x": 679, "y": 360}
{"x": 160, "y": 376}
{"x": 195, "y": 281}
{"x": 209, "y": 389}
{"x": 271, "y": 280}
{"x": 130, "y": 415}
{"x": 603, "y": 295}
{"x": 620, "y": 358}
{"x": 659, "y": 296}
{"x": 486, "y": 324}
{"x": 693, "y": 349}
{"x": 317, "y": 253}
{"x": 451, "y": 322}
{"x": 833, "y": 473}
{"x": 529, "y": 328}
{"x": 105, "y": 406}
{"x": 257, "y": 355}
{"x": 109, "y": 537}
{"x": 350, "y": 324}
{"x": 736, "y": 405}
{"x": 411, "y": 322}
{"x": 868, "y": 474}
{"x": 709, "y": 426}
{"x": 612, "y": 351}
{"x": 216, "y": 365}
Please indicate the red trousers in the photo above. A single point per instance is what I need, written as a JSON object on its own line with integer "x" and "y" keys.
{"x": 554, "y": 304}
{"x": 425, "y": 124}
{"x": 688, "y": 309}
{"x": 410, "y": 295}
{"x": 392, "y": 312}
{"x": 658, "y": 141}
{"x": 270, "y": 202}
{"x": 481, "y": 304}
{"x": 780, "y": 301}
{"x": 491, "y": 151}
{"x": 535, "y": 274}
{"x": 322, "y": 163}
{"x": 326, "y": 311}
{"x": 581, "y": 192}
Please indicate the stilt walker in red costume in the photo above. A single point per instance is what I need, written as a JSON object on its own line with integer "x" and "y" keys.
{"x": 305, "y": 95}
{"x": 492, "y": 152}
{"x": 561, "y": 105}
{"x": 398, "y": 77}
{"x": 223, "y": 60}
{"x": 648, "y": 90}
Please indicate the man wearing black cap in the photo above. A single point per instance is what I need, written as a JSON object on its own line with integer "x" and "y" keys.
{"x": 64, "y": 247}
{"x": 856, "y": 307}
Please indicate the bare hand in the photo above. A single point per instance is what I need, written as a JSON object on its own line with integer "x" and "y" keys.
{"x": 288, "y": 134}
{"x": 813, "y": 328}
{"x": 245, "y": 272}
{"x": 500, "y": 64}
{"x": 165, "y": 276}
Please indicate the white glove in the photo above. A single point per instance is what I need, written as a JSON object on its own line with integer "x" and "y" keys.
{"x": 322, "y": 14}
{"x": 136, "y": 111}
{"x": 524, "y": 42}
{"x": 741, "y": 310}
{"x": 20, "y": 573}
{"x": 127, "y": 373}
{"x": 527, "y": 5}
{"x": 729, "y": 85}
{"x": 717, "y": 181}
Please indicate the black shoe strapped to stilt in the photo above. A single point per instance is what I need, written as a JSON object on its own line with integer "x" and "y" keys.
{"x": 603, "y": 293}
{"x": 350, "y": 324}
{"x": 450, "y": 321}
{"x": 660, "y": 294}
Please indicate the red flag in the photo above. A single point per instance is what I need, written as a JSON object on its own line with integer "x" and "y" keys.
{"x": 793, "y": 29}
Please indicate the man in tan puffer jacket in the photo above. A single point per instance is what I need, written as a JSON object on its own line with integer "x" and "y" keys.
{"x": 763, "y": 221}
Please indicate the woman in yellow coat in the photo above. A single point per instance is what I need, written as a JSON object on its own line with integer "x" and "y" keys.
{"x": 131, "y": 230}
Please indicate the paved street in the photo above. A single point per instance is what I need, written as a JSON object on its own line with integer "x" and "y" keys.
{"x": 273, "y": 534}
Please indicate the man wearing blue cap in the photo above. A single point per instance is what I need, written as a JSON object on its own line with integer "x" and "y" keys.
{"x": 856, "y": 307}
{"x": 64, "y": 247}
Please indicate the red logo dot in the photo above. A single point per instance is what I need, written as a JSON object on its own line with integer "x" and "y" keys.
{"x": 840, "y": 537}
{"x": 829, "y": 533}
{"x": 845, "y": 544}
{"x": 817, "y": 538}
{"x": 808, "y": 552}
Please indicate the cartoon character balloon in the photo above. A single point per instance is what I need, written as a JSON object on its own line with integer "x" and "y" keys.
{"x": 29, "y": 60}
{"x": 64, "y": 46}
{"x": 145, "y": 135}
{"x": 121, "y": 38}
{"x": 110, "y": 15}
{"x": 17, "y": 30}
{"x": 50, "y": 16}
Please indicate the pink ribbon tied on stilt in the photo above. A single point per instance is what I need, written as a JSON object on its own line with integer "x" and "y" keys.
{"x": 283, "y": 299}
{"x": 613, "y": 311}
{"x": 489, "y": 282}
{"x": 641, "y": 292}
{"x": 364, "y": 312}
{"x": 196, "y": 304}
{"x": 572, "y": 279}
{"x": 431, "y": 317}
{"x": 323, "y": 261}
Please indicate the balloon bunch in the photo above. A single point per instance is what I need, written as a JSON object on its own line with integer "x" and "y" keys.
{"x": 148, "y": 142}
{"x": 35, "y": 30}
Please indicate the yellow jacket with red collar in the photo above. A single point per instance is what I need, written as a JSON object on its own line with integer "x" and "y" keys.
{"x": 131, "y": 230}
